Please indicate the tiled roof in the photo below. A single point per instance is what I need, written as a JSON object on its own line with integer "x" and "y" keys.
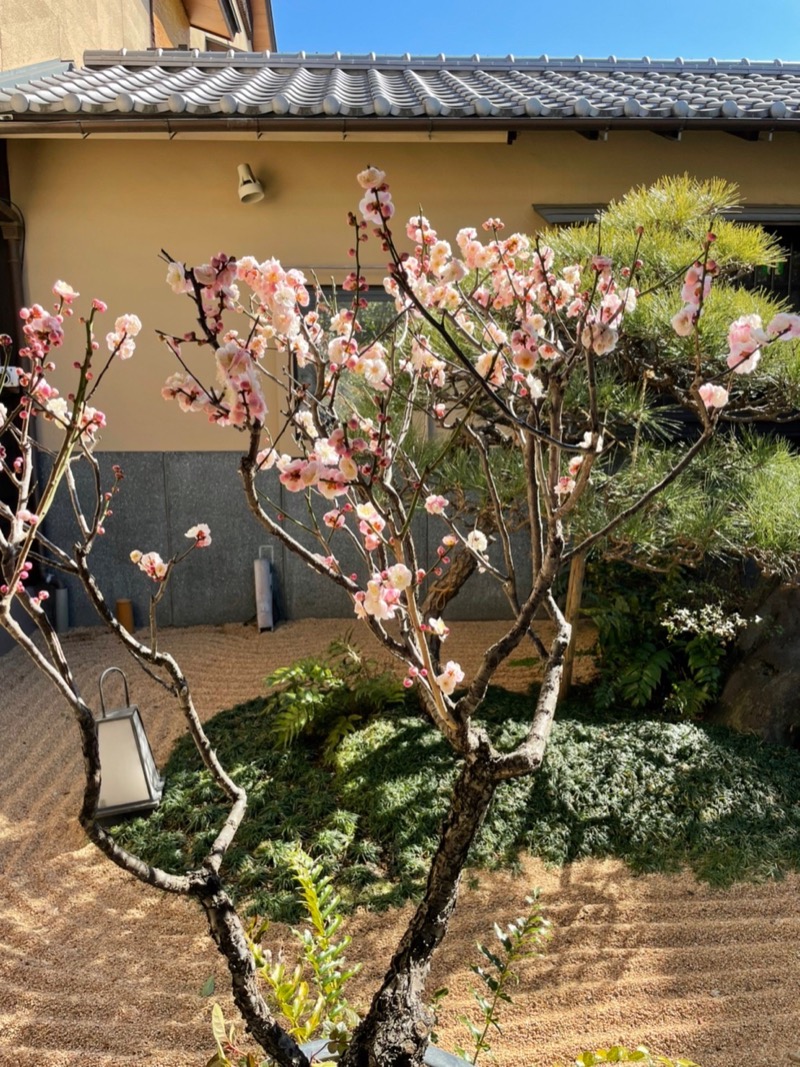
{"x": 524, "y": 91}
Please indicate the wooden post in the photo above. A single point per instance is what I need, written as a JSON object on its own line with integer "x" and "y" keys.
{"x": 577, "y": 571}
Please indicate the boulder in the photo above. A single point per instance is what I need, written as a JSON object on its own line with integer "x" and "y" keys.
{"x": 762, "y": 694}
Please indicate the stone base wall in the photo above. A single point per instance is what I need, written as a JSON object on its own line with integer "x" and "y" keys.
{"x": 165, "y": 493}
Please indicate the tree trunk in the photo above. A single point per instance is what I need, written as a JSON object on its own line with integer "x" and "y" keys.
{"x": 397, "y": 1028}
{"x": 577, "y": 572}
{"x": 226, "y": 929}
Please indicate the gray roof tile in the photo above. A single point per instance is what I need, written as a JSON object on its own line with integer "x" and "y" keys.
{"x": 402, "y": 87}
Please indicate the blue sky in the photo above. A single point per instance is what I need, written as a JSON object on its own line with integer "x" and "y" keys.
{"x": 664, "y": 29}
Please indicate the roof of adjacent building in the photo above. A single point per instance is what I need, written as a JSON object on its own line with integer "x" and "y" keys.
{"x": 406, "y": 89}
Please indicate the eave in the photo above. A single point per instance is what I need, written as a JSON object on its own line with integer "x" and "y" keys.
{"x": 174, "y": 125}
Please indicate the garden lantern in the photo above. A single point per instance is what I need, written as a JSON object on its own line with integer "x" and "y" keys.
{"x": 130, "y": 778}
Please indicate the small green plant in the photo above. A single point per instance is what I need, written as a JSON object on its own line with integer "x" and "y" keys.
{"x": 620, "y": 1054}
{"x": 521, "y": 940}
{"x": 226, "y": 1037}
{"x": 309, "y": 998}
{"x": 330, "y": 697}
{"x": 322, "y": 952}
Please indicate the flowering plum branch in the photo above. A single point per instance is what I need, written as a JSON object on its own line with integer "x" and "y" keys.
{"x": 482, "y": 408}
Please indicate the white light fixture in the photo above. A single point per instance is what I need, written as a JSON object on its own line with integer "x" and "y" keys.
{"x": 130, "y": 778}
{"x": 250, "y": 188}
{"x": 263, "y": 581}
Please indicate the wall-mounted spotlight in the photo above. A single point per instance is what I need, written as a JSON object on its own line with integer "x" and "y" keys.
{"x": 250, "y": 188}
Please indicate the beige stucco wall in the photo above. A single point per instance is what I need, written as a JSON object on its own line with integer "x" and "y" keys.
{"x": 63, "y": 29}
{"x": 170, "y": 24}
{"x": 98, "y": 212}
{"x": 32, "y": 32}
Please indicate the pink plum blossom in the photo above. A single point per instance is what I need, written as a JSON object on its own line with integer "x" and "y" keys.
{"x": 331, "y": 482}
{"x": 295, "y": 475}
{"x": 713, "y": 396}
{"x": 380, "y": 601}
{"x": 377, "y": 206}
{"x": 370, "y": 518}
{"x": 601, "y": 338}
{"x": 602, "y": 264}
{"x": 745, "y": 337}
{"x": 575, "y": 466}
{"x": 335, "y": 519}
{"x": 435, "y": 505}
{"x": 784, "y": 327}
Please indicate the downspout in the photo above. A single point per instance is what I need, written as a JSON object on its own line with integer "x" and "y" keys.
{"x": 12, "y": 231}
{"x": 12, "y": 238}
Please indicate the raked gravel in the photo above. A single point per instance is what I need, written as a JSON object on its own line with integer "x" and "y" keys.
{"x": 97, "y": 970}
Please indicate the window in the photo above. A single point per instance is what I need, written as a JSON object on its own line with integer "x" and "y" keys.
{"x": 783, "y": 281}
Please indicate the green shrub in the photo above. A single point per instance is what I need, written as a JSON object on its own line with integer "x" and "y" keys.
{"x": 663, "y": 644}
{"x": 328, "y": 697}
{"x": 656, "y": 794}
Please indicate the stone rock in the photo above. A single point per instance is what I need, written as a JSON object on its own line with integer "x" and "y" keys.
{"x": 762, "y": 694}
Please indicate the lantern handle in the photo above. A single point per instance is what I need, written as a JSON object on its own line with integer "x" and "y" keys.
{"x": 103, "y": 676}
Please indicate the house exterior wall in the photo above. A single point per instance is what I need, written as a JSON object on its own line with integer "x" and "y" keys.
{"x": 63, "y": 29}
{"x": 170, "y": 25}
{"x": 99, "y": 210}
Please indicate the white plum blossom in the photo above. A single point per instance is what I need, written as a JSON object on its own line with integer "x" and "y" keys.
{"x": 450, "y": 677}
{"x": 535, "y": 387}
{"x": 628, "y": 298}
{"x": 176, "y": 278}
{"x": 151, "y": 563}
{"x": 477, "y": 541}
{"x": 683, "y": 322}
{"x": 371, "y": 178}
{"x": 200, "y": 534}
{"x": 120, "y": 340}
{"x": 399, "y": 576}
